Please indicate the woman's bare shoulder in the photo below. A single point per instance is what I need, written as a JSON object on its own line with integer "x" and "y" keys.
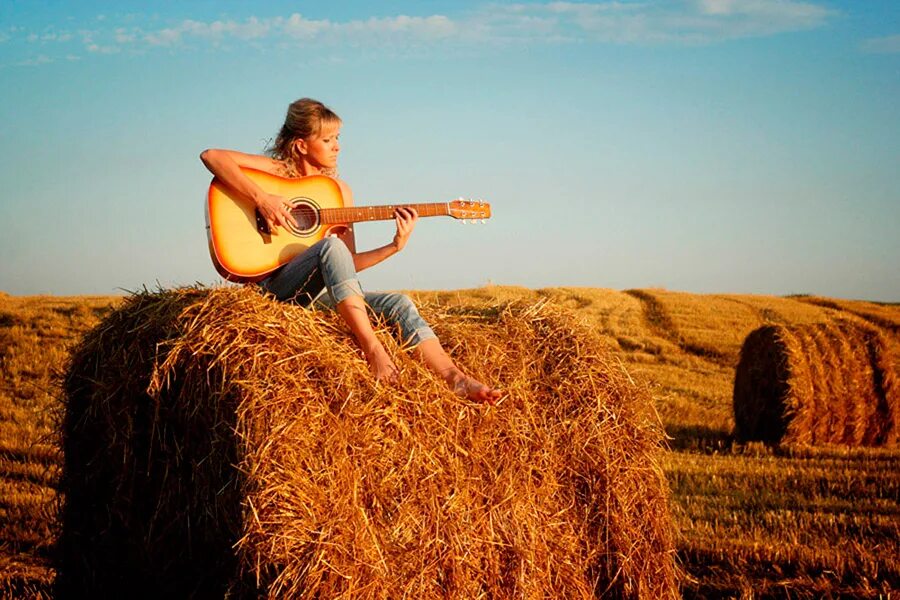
{"x": 346, "y": 192}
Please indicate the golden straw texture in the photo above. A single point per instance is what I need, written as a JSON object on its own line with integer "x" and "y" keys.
{"x": 823, "y": 383}
{"x": 217, "y": 442}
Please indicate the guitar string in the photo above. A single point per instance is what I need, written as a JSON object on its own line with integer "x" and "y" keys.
{"x": 381, "y": 212}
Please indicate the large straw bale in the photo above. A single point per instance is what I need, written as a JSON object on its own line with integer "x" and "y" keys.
{"x": 812, "y": 384}
{"x": 217, "y": 442}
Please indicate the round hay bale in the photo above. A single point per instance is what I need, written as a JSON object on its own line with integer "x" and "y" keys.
{"x": 822, "y": 383}
{"x": 218, "y": 443}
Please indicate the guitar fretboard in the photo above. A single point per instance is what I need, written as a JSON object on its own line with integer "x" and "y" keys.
{"x": 356, "y": 214}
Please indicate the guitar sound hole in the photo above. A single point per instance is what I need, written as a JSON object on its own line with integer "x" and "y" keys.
{"x": 307, "y": 217}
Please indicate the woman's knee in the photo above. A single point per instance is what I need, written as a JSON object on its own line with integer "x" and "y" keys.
{"x": 332, "y": 250}
{"x": 413, "y": 327}
{"x": 330, "y": 245}
{"x": 401, "y": 305}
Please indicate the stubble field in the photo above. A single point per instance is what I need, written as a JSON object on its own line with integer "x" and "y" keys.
{"x": 752, "y": 521}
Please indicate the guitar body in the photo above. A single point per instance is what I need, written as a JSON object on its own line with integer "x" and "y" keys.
{"x": 240, "y": 244}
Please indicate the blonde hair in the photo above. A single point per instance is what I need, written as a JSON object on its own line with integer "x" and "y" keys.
{"x": 305, "y": 119}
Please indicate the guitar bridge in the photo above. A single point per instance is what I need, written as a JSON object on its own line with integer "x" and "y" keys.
{"x": 263, "y": 228}
{"x": 261, "y": 225}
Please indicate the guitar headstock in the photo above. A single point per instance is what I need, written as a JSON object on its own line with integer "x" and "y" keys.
{"x": 469, "y": 209}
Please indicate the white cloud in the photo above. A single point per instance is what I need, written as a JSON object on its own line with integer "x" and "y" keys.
{"x": 675, "y": 22}
{"x": 298, "y": 28}
{"x": 882, "y": 45}
{"x": 426, "y": 28}
{"x": 660, "y": 22}
{"x": 650, "y": 22}
{"x": 40, "y": 59}
{"x": 789, "y": 10}
{"x": 295, "y": 26}
{"x": 164, "y": 37}
{"x": 250, "y": 29}
{"x": 56, "y": 37}
{"x": 216, "y": 31}
{"x": 124, "y": 36}
{"x": 49, "y": 36}
{"x": 88, "y": 35}
{"x": 99, "y": 49}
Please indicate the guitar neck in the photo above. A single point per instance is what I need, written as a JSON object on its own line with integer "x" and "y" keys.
{"x": 356, "y": 214}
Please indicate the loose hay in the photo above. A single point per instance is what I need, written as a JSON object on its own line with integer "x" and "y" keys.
{"x": 824, "y": 383}
{"x": 217, "y": 442}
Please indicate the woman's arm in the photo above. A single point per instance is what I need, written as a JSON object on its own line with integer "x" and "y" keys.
{"x": 405, "y": 220}
{"x": 226, "y": 166}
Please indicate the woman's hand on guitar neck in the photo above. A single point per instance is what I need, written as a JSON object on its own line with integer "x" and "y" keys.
{"x": 276, "y": 211}
{"x": 405, "y": 218}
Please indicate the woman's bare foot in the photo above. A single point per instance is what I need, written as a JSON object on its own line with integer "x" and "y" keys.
{"x": 380, "y": 364}
{"x": 433, "y": 354}
{"x": 471, "y": 388}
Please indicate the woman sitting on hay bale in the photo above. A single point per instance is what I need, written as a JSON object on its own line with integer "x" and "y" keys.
{"x": 308, "y": 144}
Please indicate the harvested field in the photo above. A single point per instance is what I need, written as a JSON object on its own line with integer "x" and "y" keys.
{"x": 827, "y": 383}
{"x": 751, "y": 521}
{"x": 36, "y": 335}
{"x": 344, "y": 488}
{"x": 884, "y": 315}
{"x": 789, "y": 523}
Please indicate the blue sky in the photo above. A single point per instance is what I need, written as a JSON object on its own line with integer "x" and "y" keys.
{"x": 708, "y": 146}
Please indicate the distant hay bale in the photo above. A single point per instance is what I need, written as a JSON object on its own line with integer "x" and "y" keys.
{"x": 219, "y": 443}
{"x": 823, "y": 383}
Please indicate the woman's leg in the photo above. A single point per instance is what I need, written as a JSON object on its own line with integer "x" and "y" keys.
{"x": 415, "y": 332}
{"x": 328, "y": 264}
{"x": 353, "y": 311}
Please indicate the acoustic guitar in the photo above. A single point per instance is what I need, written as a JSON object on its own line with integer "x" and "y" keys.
{"x": 243, "y": 248}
